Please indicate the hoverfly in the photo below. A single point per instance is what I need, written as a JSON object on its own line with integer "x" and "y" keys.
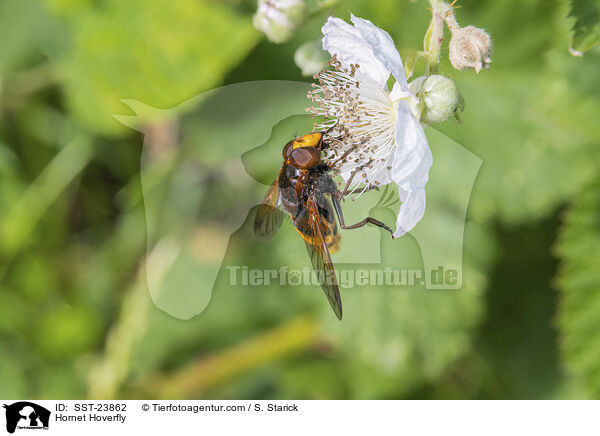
{"x": 300, "y": 190}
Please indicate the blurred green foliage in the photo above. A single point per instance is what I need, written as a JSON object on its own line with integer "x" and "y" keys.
{"x": 579, "y": 281}
{"x": 76, "y": 317}
{"x": 587, "y": 24}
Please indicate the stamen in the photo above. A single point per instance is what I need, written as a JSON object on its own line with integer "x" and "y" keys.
{"x": 359, "y": 114}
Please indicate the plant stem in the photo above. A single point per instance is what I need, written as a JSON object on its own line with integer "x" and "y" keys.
{"x": 18, "y": 223}
{"x": 440, "y": 6}
{"x": 435, "y": 34}
{"x": 107, "y": 375}
{"x": 434, "y": 44}
{"x": 209, "y": 371}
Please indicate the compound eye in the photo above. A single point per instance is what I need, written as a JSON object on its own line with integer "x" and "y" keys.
{"x": 305, "y": 157}
{"x": 287, "y": 150}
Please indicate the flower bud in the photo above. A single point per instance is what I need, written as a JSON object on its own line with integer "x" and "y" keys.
{"x": 470, "y": 47}
{"x": 311, "y": 58}
{"x": 279, "y": 19}
{"x": 438, "y": 96}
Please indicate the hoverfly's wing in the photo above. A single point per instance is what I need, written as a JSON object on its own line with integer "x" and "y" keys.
{"x": 268, "y": 216}
{"x": 320, "y": 258}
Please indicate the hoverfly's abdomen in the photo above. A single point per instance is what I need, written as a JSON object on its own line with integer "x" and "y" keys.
{"x": 332, "y": 236}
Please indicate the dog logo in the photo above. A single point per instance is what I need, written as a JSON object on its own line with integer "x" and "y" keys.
{"x": 26, "y": 415}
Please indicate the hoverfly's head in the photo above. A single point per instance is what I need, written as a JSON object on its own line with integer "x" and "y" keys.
{"x": 304, "y": 152}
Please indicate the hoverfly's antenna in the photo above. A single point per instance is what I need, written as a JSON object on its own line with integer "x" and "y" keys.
{"x": 323, "y": 133}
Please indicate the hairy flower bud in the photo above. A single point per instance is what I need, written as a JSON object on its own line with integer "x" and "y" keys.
{"x": 279, "y": 19}
{"x": 470, "y": 47}
{"x": 438, "y": 96}
{"x": 311, "y": 58}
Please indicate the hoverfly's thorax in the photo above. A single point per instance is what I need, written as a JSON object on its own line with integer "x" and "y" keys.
{"x": 308, "y": 140}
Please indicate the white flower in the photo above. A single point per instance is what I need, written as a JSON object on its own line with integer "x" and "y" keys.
{"x": 378, "y": 129}
{"x": 278, "y": 19}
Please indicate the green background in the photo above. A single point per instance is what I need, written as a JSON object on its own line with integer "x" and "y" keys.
{"x": 76, "y": 317}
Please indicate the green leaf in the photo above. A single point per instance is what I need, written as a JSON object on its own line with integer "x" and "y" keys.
{"x": 24, "y": 32}
{"x": 160, "y": 52}
{"x": 14, "y": 379}
{"x": 586, "y": 29}
{"x": 531, "y": 118}
{"x": 66, "y": 331}
{"x": 579, "y": 283}
{"x": 526, "y": 127}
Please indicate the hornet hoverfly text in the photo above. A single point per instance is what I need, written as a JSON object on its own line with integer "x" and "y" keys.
{"x": 300, "y": 190}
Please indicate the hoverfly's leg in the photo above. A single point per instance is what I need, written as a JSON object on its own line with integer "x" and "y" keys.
{"x": 346, "y": 190}
{"x": 342, "y": 157}
{"x": 350, "y": 150}
{"x": 370, "y": 188}
{"x": 338, "y": 210}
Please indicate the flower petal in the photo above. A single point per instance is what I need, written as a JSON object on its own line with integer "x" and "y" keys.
{"x": 348, "y": 44}
{"x": 383, "y": 48}
{"x": 411, "y": 211}
{"x": 410, "y": 163}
